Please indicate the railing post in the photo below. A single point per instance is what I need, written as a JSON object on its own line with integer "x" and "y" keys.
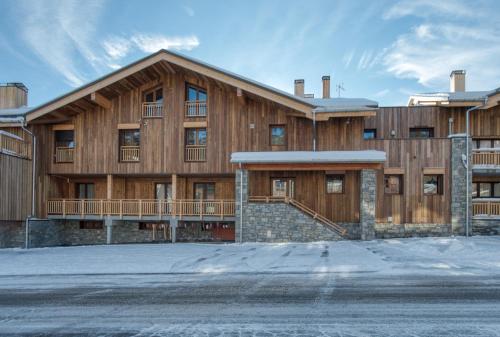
{"x": 102, "y": 210}
{"x": 222, "y": 209}
{"x": 140, "y": 208}
{"x": 201, "y": 208}
{"x": 81, "y": 208}
{"x": 64, "y": 208}
{"x": 121, "y": 208}
{"x": 159, "y": 208}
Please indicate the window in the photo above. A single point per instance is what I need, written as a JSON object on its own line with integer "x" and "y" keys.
{"x": 485, "y": 143}
{"x": 278, "y": 135}
{"x": 421, "y": 132}
{"x": 433, "y": 184}
{"x": 129, "y": 145}
{"x": 196, "y": 137}
{"x": 163, "y": 191}
{"x": 154, "y": 96}
{"x": 370, "y": 134}
{"x": 194, "y": 93}
{"x": 393, "y": 184}
{"x": 91, "y": 225}
{"x": 205, "y": 191}
{"x": 65, "y": 139}
{"x": 283, "y": 187}
{"x": 486, "y": 190}
{"x": 335, "y": 184}
{"x": 85, "y": 191}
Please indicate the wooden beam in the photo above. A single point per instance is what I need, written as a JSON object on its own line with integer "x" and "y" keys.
{"x": 63, "y": 127}
{"x": 129, "y": 126}
{"x": 433, "y": 170}
{"x": 174, "y": 186}
{"x": 100, "y": 100}
{"x": 202, "y": 124}
{"x": 109, "y": 183}
{"x": 312, "y": 167}
{"x": 394, "y": 170}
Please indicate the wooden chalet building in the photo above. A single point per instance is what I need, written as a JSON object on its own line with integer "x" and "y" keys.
{"x": 172, "y": 149}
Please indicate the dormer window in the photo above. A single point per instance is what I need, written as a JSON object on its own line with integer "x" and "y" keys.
{"x": 152, "y": 106}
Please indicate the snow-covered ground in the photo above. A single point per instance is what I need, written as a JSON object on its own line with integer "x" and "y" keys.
{"x": 434, "y": 256}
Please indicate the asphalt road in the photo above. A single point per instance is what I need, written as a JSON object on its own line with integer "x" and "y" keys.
{"x": 324, "y": 304}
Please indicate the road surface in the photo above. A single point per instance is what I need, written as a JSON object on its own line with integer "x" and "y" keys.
{"x": 249, "y": 304}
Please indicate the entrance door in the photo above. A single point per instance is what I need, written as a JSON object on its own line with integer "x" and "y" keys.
{"x": 283, "y": 187}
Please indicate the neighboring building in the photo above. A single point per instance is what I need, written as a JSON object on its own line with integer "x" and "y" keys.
{"x": 172, "y": 149}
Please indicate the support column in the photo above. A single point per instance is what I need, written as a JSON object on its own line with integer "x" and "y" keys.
{"x": 241, "y": 196}
{"x": 108, "y": 222}
{"x": 173, "y": 229}
{"x": 109, "y": 183}
{"x": 459, "y": 195}
{"x": 368, "y": 197}
{"x": 174, "y": 186}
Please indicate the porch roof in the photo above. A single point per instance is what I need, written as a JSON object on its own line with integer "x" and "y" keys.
{"x": 309, "y": 160}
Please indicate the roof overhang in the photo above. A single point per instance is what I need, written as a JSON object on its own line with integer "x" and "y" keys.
{"x": 441, "y": 101}
{"x": 309, "y": 160}
{"x": 229, "y": 78}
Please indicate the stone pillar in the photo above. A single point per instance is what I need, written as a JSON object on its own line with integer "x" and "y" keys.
{"x": 241, "y": 196}
{"x": 173, "y": 229}
{"x": 368, "y": 196}
{"x": 459, "y": 174}
{"x": 108, "y": 222}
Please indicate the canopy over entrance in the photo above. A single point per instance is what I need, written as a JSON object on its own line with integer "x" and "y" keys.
{"x": 309, "y": 160}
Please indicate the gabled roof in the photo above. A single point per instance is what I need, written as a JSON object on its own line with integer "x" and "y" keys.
{"x": 219, "y": 74}
{"x": 306, "y": 106}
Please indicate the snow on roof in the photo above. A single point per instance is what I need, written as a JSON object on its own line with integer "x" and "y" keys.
{"x": 368, "y": 156}
{"x": 342, "y": 104}
{"x": 14, "y": 112}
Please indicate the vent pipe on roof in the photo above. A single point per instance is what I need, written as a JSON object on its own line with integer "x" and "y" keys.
{"x": 299, "y": 88}
{"x": 326, "y": 86}
{"x": 457, "y": 81}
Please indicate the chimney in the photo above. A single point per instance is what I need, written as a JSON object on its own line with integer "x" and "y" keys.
{"x": 457, "y": 81}
{"x": 326, "y": 86}
{"x": 299, "y": 88}
{"x": 13, "y": 95}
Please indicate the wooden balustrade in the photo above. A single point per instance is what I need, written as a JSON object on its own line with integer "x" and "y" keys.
{"x": 139, "y": 207}
{"x": 195, "y": 153}
{"x": 64, "y": 154}
{"x": 195, "y": 108}
{"x": 13, "y": 145}
{"x": 486, "y": 208}
{"x": 152, "y": 110}
{"x": 485, "y": 157}
{"x": 129, "y": 153}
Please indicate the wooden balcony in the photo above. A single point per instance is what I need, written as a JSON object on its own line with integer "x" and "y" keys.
{"x": 129, "y": 153}
{"x": 195, "y": 108}
{"x": 13, "y": 145}
{"x": 486, "y": 157}
{"x": 485, "y": 208}
{"x": 195, "y": 153}
{"x": 152, "y": 110}
{"x": 64, "y": 154}
{"x": 141, "y": 208}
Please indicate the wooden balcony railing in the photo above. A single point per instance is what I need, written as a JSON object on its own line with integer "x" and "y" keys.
{"x": 486, "y": 208}
{"x": 152, "y": 110}
{"x": 486, "y": 157}
{"x": 129, "y": 153}
{"x": 195, "y": 153}
{"x": 13, "y": 145}
{"x": 64, "y": 154}
{"x": 196, "y": 108}
{"x": 141, "y": 207}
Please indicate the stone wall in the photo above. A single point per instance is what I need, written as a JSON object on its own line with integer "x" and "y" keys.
{"x": 12, "y": 234}
{"x": 409, "y": 230}
{"x": 241, "y": 192}
{"x": 280, "y": 222}
{"x": 367, "y": 203}
{"x": 486, "y": 227}
{"x": 459, "y": 185}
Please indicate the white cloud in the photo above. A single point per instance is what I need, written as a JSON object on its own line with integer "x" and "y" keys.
{"x": 348, "y": 58}
{"x": 382, "y": 93}
{"x": 116, "y": 47}
{"x": 429, "y": 61}
{"x": 153, "y": 42}
{"x": 426, "y": 8}
{"x": 59, "y": 31}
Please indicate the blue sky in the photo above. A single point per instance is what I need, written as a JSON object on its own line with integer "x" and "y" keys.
{"x": 383, "y": 50}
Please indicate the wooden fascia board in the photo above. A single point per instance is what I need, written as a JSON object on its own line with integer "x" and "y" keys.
{"x": 202, "y": 124}
{"x": 129, "y": 126}
{"x": 312, "y": 167}
{"x": 394, "y": 170}
{"x": 324, "y": 116}
{"x": 433, "y": 170}
{"x": 63, "y": 127}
